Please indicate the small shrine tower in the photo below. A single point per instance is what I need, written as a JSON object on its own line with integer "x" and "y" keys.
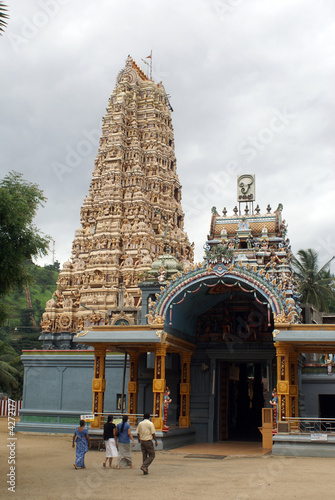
{"x": 249, "y": 238}
{"x": 132, "y": 212}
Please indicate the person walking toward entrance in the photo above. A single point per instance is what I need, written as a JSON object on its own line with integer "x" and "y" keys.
{"x": 124, "y": 433}
{"x": 82, "y": 440}
{"x": 145, "y": 434}
{"x": 110, "y": 441}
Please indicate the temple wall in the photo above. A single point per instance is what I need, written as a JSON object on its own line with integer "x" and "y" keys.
{"x": 312, "y": 387}
{"x": 58, "y": 386}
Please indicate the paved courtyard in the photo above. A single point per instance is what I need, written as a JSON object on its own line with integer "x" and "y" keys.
{"x": 44, "y": 470}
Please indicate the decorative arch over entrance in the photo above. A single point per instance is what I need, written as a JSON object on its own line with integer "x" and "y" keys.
{"x": 205, "y": 306}
{"x": 189, "y": 293}
{"x": 230, "y": 292}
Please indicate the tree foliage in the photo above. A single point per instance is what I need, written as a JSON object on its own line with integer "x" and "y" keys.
{"x": 18, "y": 329}
{"x": 3, "y": 17}
{"x": 316, "y": 286}
{"x": 20, "y": 240}
{"x": 11, "y": 372}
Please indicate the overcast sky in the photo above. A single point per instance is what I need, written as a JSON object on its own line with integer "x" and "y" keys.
{"x": 251, "y": 85}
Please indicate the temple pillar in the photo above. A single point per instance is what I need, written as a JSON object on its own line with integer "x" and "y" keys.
{"x": 185, "y": 390}
{"x": 158, "y": 386}
{"x": 287, "y": 380}
{"x": 133, "y": 386}
{"x": 98, "y": 385}
{"x": 294, "y": 391}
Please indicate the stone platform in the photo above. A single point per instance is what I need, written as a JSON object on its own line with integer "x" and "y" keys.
{"x": 303, "y": 446}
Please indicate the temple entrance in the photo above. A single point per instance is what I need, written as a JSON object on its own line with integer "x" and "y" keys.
{"x": 243, "y": 393}
{"x": 236, "y": 333}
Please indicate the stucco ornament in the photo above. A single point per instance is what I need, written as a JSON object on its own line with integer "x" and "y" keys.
{"x": 155, "y": 319}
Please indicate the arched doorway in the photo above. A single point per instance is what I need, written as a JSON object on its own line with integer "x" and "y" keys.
{"x": 228, "y": 316}
{"x": 236, "y": 336}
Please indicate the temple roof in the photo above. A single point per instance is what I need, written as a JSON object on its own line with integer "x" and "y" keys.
{"x": 320, "y": 335}
{"x": 118, "y": 336}
{"x": 307, "y": 338}
{"x": 140, "y": 338}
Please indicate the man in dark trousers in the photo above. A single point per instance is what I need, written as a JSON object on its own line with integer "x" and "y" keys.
{"x": 145, "y": 434}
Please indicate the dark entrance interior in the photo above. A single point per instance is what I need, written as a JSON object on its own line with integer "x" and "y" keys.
{"x": 243, "y": 391}
{"x": 327, "y": 405}
{"x": 236, "y": 331}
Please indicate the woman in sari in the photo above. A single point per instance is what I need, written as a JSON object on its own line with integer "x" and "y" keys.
{"x": 124, "y": 436}
{"x": 82, "y": 440}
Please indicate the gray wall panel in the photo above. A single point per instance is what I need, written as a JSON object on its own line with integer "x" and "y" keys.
{"x": 77, "y": 388}
{"x": 42, "y": 387}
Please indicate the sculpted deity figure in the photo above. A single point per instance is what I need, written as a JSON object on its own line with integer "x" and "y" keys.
{"x": 127, "y": 279}
{"x": 76, "y": 298}
{"x": 166, "y": 401}
{"x": 76, "y": 249}
{"x": 151, "y": 303}
{"x": 128, "y": 300}
{"x": 79, "y": 324}
{"x": 113, "y": 302}
{"x": 161, "y": 276}
{"x": 128, "y": 261}
{"x": 95, "y": 318}
{"x": 46, "y": 323}
{"x": 146, "y": 259}
{"x": 264, "y": 245}
{"x": 68, "y": 303}
{"x": 51, "y": 303}
{"x": 59, "y": 298}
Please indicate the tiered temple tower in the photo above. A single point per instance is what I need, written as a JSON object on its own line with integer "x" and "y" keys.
{"x": 131, "y": 215}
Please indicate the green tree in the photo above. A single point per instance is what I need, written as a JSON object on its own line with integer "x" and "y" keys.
{"x": 18, "y": 329}
{"x": 330, "y": 300}
{"x": 3, "y": 17}
{"x": 20, "y": 240}
{"x": 316, "y": 286}
{"x": 11, "y": 372}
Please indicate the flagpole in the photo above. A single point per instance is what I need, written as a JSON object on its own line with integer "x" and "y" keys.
{"x": 147, "y": 69}
{"x": 151, "y": 65}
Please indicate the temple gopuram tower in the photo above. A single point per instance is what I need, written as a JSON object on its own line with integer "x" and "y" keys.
{"x": 131, "y": 215}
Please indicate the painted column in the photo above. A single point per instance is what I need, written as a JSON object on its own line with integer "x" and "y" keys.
{"x": 99, "y": 385}
{"x": 282, "y": 380}
{"x": 133, "y": 386}
{"x": 287, "y": 380}
{"x": 185, "y": 390}
{"x": 158, "y": 386}
{"x": 293, "y": 389}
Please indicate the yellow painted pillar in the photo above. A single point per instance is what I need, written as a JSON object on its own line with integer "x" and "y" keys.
{"x": 282, "y": 352}
{"x": 98, "y": 385}
{"x": 287, "y": 380}
{"x": 185, "y": 390}
{"x": 158, "y": 386}
{"x": 133, "y": 386}
{"x": 293, "y": 390}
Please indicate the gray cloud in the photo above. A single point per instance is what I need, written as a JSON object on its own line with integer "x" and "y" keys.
{"x": 230, "y": 66}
